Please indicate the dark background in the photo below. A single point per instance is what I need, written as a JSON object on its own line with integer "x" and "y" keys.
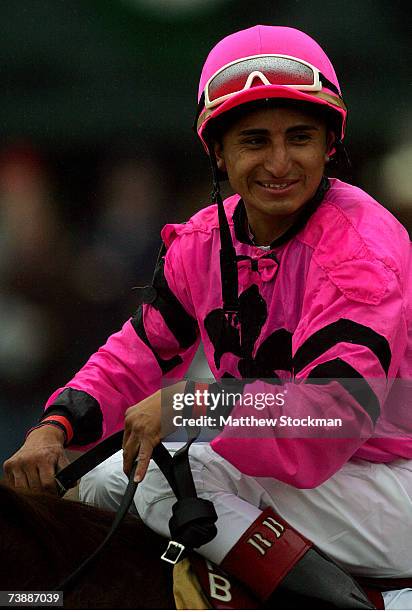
{"x": 97, "y": 153}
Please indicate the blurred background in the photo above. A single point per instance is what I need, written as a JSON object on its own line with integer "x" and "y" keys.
{"x": 97, "y": 153}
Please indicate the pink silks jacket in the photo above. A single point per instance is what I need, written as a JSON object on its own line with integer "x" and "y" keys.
{"x": 327, "y": 305}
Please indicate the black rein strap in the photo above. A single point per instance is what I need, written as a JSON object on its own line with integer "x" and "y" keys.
{"x": 193, "y": 520}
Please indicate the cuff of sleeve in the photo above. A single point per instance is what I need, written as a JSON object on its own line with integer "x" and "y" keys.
{"x": 58, "y": 421}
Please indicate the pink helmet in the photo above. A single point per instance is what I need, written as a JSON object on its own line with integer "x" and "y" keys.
{"x": 267, "y": 62}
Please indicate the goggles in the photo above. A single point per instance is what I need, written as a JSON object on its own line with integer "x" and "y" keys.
{"x": 271, "y": 69}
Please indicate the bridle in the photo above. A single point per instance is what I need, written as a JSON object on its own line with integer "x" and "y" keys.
{"x": 193, "y": 521}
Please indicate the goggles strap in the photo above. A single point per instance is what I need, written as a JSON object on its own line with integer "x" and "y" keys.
{"x": 326, "y": 83}
{"x": 228, "y": 262}
{"x": 199, "y": 110}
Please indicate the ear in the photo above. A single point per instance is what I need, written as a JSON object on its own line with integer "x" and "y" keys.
{"x": 330, "y": 140}
{"x": 220, "y": 159}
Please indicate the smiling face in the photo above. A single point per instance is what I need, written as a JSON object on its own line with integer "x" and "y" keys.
{"x": 275, "y": 159}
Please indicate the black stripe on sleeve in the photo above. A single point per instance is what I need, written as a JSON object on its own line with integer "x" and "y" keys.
{"x": 182, "y": 325}
{"x": 83, "y": 412}
{"x": 343, "y": 330}
{"x": 165, "y": 364}
{"x": 351, "y": 380}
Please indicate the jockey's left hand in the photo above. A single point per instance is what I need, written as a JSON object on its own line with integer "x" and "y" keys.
{"x": 146, "y": 424}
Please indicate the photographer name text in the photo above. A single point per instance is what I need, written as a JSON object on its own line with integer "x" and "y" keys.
{"x": 252, "y": 421}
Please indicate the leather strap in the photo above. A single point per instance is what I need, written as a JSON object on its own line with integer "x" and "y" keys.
{"x": 265, "y": 553}
{"x": 67, "y": 477}
{"x": 272, "y": 553}
{"x": 193, "y": 520}
{"x": 119, "y": 516}
{"x": 228, "y": 262}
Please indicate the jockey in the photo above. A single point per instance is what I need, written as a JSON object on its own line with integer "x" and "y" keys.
{"x": 299, "y": 287}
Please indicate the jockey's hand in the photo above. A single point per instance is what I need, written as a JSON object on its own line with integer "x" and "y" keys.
{"x": 34, "y": 465}
{"x": 146, "y": 424}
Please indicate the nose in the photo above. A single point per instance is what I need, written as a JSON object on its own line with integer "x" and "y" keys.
{"x": 277, "y": 160}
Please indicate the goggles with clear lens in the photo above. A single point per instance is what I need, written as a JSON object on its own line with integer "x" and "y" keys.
{"x": 270, "y": 69}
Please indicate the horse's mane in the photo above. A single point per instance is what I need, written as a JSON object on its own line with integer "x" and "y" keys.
{"x": 57, "y": 523}
{"x": 44, "y": 538}
{"x": 54, "y": 520}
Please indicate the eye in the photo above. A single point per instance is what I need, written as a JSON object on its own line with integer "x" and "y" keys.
{"x": 300, "y": 138}
{"x": 254, "y": 141}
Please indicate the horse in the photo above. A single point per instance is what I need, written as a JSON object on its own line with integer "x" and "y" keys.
{"x": 44, "y": 538}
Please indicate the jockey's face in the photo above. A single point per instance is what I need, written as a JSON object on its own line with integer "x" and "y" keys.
{"x": 275, "y": 159}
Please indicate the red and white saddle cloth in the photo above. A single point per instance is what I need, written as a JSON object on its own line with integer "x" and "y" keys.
{"x": 201, "y": 585}
{"x": 273, "y": 566}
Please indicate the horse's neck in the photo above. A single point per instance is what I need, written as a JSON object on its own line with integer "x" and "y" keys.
{"x": 43, "y": 539}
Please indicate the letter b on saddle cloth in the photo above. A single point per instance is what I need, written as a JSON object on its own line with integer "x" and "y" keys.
{"x": 272, "y": 554}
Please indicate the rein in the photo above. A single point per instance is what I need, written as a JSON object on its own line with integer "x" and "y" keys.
{"x": 193, "y": 521}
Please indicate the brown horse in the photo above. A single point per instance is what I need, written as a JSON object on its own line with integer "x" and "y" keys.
{"x": 44, "y": 538}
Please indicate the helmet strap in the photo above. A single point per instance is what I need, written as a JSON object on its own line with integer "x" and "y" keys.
{"x": 228, "y": 259}
{"x": 340, "y": 157}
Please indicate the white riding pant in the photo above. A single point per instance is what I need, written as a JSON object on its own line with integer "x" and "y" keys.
{"x": 361, "y": 517}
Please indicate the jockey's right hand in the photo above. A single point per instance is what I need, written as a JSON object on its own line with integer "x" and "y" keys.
{"x": 34, "y": 465}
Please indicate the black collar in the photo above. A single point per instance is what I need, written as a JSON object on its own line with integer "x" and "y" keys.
{"x": 240, "y": 219}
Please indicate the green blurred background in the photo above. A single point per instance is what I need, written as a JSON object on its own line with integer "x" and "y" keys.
{"x": 97, "y": 153}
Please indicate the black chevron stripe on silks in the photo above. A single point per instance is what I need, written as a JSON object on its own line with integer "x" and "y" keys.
{"x": 354, "y": 383}
{"x": 166, "y": 365}
{"x": 226, "y": 337}
{"x": 343, "y": 330}
{"x": 275, "y": 352}
{"x": 253, "y": 315}
{"x": 182, "y": 325}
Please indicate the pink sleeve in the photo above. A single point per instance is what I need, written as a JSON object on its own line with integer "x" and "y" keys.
{"x": 153, "y": 349}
